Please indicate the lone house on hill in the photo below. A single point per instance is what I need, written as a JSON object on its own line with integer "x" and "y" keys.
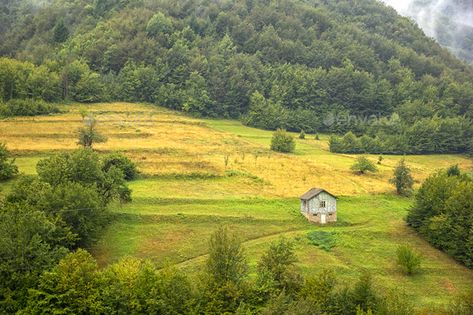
{"x": 319, "y": 206}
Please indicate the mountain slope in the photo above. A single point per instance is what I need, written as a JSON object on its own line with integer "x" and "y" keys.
{"x": 448, "y": 21}
{"x": 276, "y": 64}
{"x": 187, "y": 191}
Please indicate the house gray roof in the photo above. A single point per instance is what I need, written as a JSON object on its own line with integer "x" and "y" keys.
{"x": 313, "y": 193}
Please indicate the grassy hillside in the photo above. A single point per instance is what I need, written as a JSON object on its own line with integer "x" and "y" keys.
{"x": 186, "y": 192}
{"x": 316, "y": 65}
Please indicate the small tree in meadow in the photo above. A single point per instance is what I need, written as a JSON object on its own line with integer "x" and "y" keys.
{"x": 277, "y": 269}
{"x": 121, "y": 162}
{"x": 8, "y": 169}
{"x": 402, "y": 179}
{"x": 88, "y": 135}
{"x": 225, "y": 273}
{"x": 408, "y": 259}
{"x": 282, "y": 142}
{"x": 226, "y": 262}
{"x": 454, "y": 170}
{"x": 363, "y": 165}
{"x": 302, "y": 134}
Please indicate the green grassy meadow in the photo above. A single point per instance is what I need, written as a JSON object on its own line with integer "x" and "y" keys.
{"x": 187, "y": 190}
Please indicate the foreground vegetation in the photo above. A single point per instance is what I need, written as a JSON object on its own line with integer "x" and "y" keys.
{"x": 197, "y": 175}
{"x": 222, "y": 287}
{"x": 443, "y": 214}
{"x": 44, "y": 217}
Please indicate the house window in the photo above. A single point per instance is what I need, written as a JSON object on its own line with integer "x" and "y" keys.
{"x": 322, "y": 204}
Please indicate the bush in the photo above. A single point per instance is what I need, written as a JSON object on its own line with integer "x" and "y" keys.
{"x": 454, "y": 170}
{"x": 83, "y": 166}
{"x": 442, "y": 214}
{"x": 402, "y": 179}
{"x": 282, "y": 142}
{"x": 88, "y": 135}
{"x": 363, "y": 165}
{"x": 302, "y": 134}
{"x": 8, "y": 169}
{"x": 322, "y": 239}
{"x": 26, "y": 107}
{"x": 226, "y": 272}
{"x": 277, "y": 269}
{"x": 122, "y": 163}
{"x": 364, "y": 294}
{"x": 408, "y": 260}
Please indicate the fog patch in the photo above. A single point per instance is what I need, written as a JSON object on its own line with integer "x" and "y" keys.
{"x": 448, "y": 21}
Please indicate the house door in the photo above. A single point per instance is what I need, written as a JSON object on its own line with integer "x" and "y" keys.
{"x": 323, "y": 219}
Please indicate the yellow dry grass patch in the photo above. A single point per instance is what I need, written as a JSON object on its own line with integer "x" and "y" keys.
{"x": 165, "y": 143}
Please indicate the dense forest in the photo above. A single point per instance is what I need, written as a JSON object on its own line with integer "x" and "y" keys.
{"x": 325, "y": 66}
{"x": 448, "y": 21}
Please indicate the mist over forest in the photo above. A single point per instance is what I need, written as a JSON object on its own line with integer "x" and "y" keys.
{"x": 448, "y": 21}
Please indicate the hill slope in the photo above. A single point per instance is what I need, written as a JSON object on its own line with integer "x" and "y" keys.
{"x": 449, "y": 21}
{"x": 284, "y": 64}
{"x": 187, "y": 191}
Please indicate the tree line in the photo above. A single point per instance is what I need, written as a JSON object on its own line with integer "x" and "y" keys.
{"x": 425, "y": 136}
{"x": 286, "y": 64}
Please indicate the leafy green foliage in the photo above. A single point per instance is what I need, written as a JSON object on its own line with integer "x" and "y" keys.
{"x": 72, "y": 285}
{"x": 265, "y": 114}
{"x": 226, "y": 271}
{"x": 320, "y": 289}
{"x": 363, "y": 165}
{"x": 454, "y": 170}
{"x": 130, "y": 286}
{"x": 121, "y": 162}
{"x": 159, "y": 24}
{"x": 443, "y": 214}
{"x": 282, "y": 142}
{"x": 26, "y": 107}
{"x": 135, "y": 286}
{"x": 447, "y": 135}
{"x": 8, "y": 169}
{"x": 60, "y": 32}
{"x": 88, "y": 135}
{"x": 84, "y": 167}
{"x": 408, "y": 260}
{"x": 323, "y": 239}
{"x": 364, "y": 294}
{"x": 226, "y": 262}
{"x": 402, "y": 179}
{"x": 277, "y": 271}
{"x": 302, "y": 134}
{"x": 30, "y": 242}
{"x": 45, "y": 216}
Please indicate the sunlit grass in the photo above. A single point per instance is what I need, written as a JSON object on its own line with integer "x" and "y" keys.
{"x": 198, "y": 174}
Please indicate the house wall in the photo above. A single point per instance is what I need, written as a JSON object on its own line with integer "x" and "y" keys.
{"x": 313, "y": 212}
{"x": 316, "y": 218}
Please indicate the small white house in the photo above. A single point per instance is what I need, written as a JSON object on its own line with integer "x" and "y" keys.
{"x": 319, "y": 206}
